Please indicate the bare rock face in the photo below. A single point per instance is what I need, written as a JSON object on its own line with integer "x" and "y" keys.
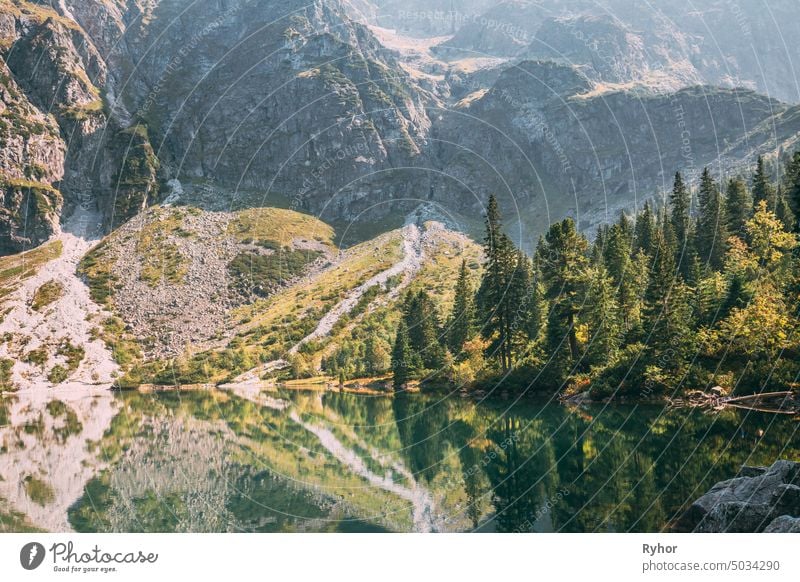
{"x": 760, "y": 499}
{"x": 62, "y": 146}
{"x": 31, "y": 161}
{"x": 580, "y": 114}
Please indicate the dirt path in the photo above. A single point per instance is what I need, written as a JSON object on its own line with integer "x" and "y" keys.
{"x": 70, "y": 317}
{"x": 411, "y": 262}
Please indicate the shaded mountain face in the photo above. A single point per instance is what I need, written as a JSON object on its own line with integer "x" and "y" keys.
{"x": 117, "y": 105}
{"x": 669, "y": 44}
{"x": 601, "y": 152}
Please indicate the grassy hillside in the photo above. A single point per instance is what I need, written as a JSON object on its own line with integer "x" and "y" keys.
{"x": 202, "y": 297}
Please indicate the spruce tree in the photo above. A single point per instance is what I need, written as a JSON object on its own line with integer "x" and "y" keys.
{"x": 461, "y": 326}
{"x": 537, "y": 307}
{"x": 792, "y": 180}
{"x": 493, "y": 297}
{"x": 662, "y": 279}
{"x": 631, "y": 293}
{"x": 601, "y": 313}
{"x": 738, "y": 206}
{"x": 563, "y": 262}
{"x": 645, "y": 230}
{"x": 762, "y": 186}
{"x": 422, "y": 324}
{"x": 784, "y": 212}
{"x": 712, "y": 232}
{"x": 618, "y": 249}
{"x": 401, "y": 357}
{"x": 680, "y": 219}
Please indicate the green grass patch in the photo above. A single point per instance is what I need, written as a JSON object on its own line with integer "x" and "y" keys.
{"x": 15, "y": 268}
{"x": 258, "y": 274}
{"x": 96, "y": 269}
{"x": 37, "y": 357}
{"x": 38, "y": 491}
{"x": 48, "y": 293}
{"x": 6, "y": 384}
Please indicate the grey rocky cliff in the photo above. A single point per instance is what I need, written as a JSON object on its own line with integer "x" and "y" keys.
{"x": 301, "y": 103}
{"x": 759, "y": 499}
{"x": 58, "y": 73}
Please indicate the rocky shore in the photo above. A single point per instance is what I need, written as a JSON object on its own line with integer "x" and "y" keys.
{"x": 758, "y": 499}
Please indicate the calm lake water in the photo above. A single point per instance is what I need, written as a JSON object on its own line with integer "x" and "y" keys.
{"x": 313, "y": 461}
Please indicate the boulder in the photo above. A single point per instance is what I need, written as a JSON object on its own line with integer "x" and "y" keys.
{"x": 784, "y": 524}
{"x": 751, "y": 502}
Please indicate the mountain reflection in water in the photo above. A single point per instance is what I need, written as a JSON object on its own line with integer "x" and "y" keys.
{"x": 322, "y": 461}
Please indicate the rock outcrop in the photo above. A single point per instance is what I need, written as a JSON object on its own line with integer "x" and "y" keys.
{"x": 759, "y": 499}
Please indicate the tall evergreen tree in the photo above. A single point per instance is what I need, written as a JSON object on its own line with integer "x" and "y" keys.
{"x": 712, "y": 231}
{"x": 461, "y": 326}
{"x": 496, "y": 311}
{"x": 402, "y": 366}
{"x": 632, "y": 290}
{"x": 646, "y": 229}
{"x": 562, "y": 256}
{"x": 537, "y": 307}
{"x": 680, "y": 219}
{"x": 792, "y": 180}
{"x": 618, "y": 249}
{"x": 738, "y": 206}
{"x": 784, "y": 212}
{"x": 422, "y": 325}
{"x": 762, "y": 186}
{"x": 601, "y": 313}
{"x": 662, "y": 279}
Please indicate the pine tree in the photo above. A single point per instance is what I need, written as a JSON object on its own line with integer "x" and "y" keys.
{"x": 519, "y": 294}
{"x": 563, "y": 262}
{"x": 645, "y": 230}
{"x": 601, "y": 313}
{"x": 537, "y": 307}
{"x": 422, "y": 324}
{"x": 712, "y": 231}
{"x": 662, "y": 279}
{"x": 493, "y": 298}
{"x": 461, "y": 326}
{"x": 680, "y": 219}
{"x": 599, "y": 244}
{"x": 631, "y": 293}
{"x": 792, "y": 180}
{"x": 784, "y": 212}
{"x": 618, "y": 249}
{"x": 402, "y": 367}
{"x": 738, "y": 206}
{"x": 762, "y": 186}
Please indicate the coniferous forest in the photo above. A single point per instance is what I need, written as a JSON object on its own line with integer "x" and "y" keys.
{"x": 697, "y": 291}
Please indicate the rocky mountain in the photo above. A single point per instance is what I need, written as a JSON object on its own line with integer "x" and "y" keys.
{"x": 601, "y": 152}
{"x": 661, "y": 44}
{"x": 117, "y": 105}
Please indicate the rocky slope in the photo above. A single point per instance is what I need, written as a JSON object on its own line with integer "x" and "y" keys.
{"x": 57, "y": 87}
{"x": 174, "y": 275}
{"x": 48, "y": 326}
